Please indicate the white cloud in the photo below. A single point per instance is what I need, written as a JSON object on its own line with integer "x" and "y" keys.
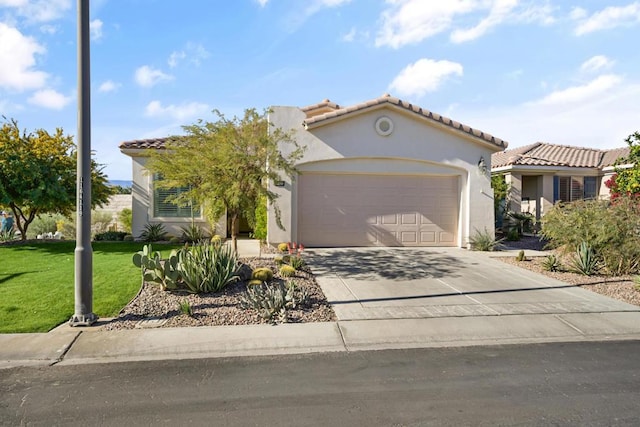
{"x": 578, "y": 13}
{"x": 425, "y": 75}
{"x": 305, "y": 10}
{"x": 17, "y": 60}
{"x": 49, "y": 29}
{"x": 146, "y": 76}
{"x": 39, "y": 10}
{"x": 609, "y": 17}
{"x": 180, "y": 112}
{"x": 500, "y": 10}
{"x": 262, "y": 3}
{"x": 195, "y": 53}
{"x": 108, "y": 86}
{"x": 49, "y": 98}
{"x": 596, "y": 63}
{"x": 578, "y": 94}
{"x": 411, "y": 21}
{"x": 601, "y": 121}
{"x": 95, "y": 27}
{"x": 350, "y": 36}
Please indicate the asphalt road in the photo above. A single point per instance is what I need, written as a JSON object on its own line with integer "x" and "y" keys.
{"x": 543, "y": 384}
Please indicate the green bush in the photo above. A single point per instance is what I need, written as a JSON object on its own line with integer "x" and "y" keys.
{"x": 153, "y": 233}
{"x": 128, "y": 238}
{"x": 513, "y": 235}
{"x": 485, "y": 241}
{"x": 296, "y": 262}
{"x": 125, "y": 216}
{"x": 46, "y": 223}
{"x": 260, "y": 228}
{"x": 112, "y": 236}
{"x": 610, "y": 229}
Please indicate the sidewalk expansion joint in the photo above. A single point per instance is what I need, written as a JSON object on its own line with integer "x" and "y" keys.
{"x": 66, "y": 350}
{"x": 569, "y": 324}
{"x": 344, "y": 342}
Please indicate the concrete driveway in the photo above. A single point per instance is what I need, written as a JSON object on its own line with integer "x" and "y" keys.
{"x": 414, "y": 283}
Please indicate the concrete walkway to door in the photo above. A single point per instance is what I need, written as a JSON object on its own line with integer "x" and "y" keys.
{"x": 418, "y": 295}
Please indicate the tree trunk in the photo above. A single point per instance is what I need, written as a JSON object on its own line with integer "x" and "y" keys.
{"x": 234, "y": 233}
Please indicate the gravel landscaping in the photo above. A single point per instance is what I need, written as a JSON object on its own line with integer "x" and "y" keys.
{"x": 155, "y": 308}
{"x": 621, "y": 288}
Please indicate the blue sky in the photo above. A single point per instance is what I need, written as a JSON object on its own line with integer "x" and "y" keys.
{"x": 563, "y": 72}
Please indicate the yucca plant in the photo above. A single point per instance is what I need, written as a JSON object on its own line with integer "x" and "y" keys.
{"x": 585, "y": 260}
{"x": 153, "y": 232}
{"x": 485, "y": 241}
{"x": 551, "y": 263}
{"x": 208, "y": 267}
{"x": 193, "y": 233}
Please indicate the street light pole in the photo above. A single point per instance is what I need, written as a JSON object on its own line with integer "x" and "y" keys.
{"x": 83, "y": 314}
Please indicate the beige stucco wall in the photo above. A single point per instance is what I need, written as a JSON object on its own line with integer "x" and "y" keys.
{"x": 142, "y": 206}
{"x": 117, "y": 203}
{"x": 417, "y": 146}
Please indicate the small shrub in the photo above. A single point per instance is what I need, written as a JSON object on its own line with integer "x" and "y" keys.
{"x": 128, "y": 238}
{"x": 287, "y": 271}
{"x": 263, "y": 274}
{"x": 260, "y": 227}
{"x": 278, "y": 260}
{"x": 174, "y": 240}
{"x": 636, "y": 281}
{"x": 193, "y": 233}
{"x": 125, "y": 216}
{"x": 7, "y": 235}
{"x": 273, "y": 301}
{"x": 585, "y": 261}
{"x": 216, "y": 239}
{"x": 153, "y": 233}
{"x": 513, "y": 235}
{"x": 485, "y": 241}
{"x": 185, "y": 308}
{"x": 283, "y": 247}
{"x": 551, "y": 263}
{"x": 110, "y": 236}
{"x": 296, "y": 262}
{"x": 520, "y": 257}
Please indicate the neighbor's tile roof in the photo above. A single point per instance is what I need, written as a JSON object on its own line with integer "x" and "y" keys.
{"x": 388, "y": 99}
{"x": 545, "y": 154}
{"x": 142, "y": 144}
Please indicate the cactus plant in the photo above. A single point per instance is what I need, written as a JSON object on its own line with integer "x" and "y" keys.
{"x": 264, "y": 274}
{"x": 287, "y": 271}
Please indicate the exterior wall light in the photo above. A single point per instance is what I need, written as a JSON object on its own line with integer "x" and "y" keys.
{"x": 482, "y": 166}
{"x": 278, "y": 183}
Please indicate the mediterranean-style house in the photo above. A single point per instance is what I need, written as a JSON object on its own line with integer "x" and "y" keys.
{"x": 542, "y": 174}
{"x": 380, "y": 173}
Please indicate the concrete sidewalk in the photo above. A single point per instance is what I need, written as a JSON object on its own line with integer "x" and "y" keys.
{"x": 447, "y": 298}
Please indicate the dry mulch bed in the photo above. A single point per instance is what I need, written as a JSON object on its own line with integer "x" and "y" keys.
{"x": 153, "y": 307}
{"x": 621, "y": 288}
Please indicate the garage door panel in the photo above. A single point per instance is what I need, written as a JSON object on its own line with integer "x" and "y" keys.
{"x": 377, "y": 210}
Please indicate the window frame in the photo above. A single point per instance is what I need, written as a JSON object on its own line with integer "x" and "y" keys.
{"x": 162, "y": 209}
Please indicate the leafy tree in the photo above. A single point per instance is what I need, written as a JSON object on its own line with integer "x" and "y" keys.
{"x": 119, "y": 189}
{"x": 226, "y": 165}
{"x": 626, "y": 181}
{"x": 500, "y": 195}
{"x": 38, "y": 174}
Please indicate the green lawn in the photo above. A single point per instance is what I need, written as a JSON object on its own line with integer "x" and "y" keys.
{"x": 37, "y": 282}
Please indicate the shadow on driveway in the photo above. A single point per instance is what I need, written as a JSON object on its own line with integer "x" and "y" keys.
{"x": 383, "y": 263}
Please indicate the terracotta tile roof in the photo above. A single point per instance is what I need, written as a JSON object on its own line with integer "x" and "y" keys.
{"x": 143, "y": 144}
{"x": 320, "y": 108}
{"x": 545, "y": 154}
{"x": 388, "y": 99}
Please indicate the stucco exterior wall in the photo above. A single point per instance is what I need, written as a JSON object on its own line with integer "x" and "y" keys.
{"x": 416, "y": 146}
{"x": 142, "y": 206}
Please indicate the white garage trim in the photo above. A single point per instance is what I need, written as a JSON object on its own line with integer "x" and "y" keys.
{"x": 377, "y": 210}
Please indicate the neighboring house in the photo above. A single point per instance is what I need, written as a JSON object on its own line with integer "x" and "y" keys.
{"x": 380, "y": 173}
{"x": 541, "y": 174}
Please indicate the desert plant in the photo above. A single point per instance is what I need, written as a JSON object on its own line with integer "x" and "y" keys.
{"x": 278, "y": 260}
{"x": 584, "y": 260}
{"x": 283, "y": 247}
{"x": 100, "y": 221}
{"x": 551, "y": 263}
{"x": 111, "y": 236}
{"x": 208, "y": 267}
{"x": 154, "y": 269}
{"x": 185, "y": 307}
{"x": 296, "y": 262}
{"x": 520, "y": 257}
{"x": 287, "y": 271}
{"x": 193, "y": 233}
{"x": 43, "y": 224}
{"x": 273, "y": 301}
{"x": 217, "y": 239}
{"x": 263, "y": 274}
{"x": 174, "y": 240}
{"x": 153, "y": 232}
{"x": 513, "y": 235}
{"x": 485, "y": 241}
{"x": 125, "y": 216}
{"x": 7, "y": 235}
{"x": 128, "y": 238}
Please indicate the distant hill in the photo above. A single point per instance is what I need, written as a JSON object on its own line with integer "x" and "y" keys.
{"x": 121, "y": 183}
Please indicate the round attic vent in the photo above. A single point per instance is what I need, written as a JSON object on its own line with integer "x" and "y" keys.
{"x": 384, "y": 126}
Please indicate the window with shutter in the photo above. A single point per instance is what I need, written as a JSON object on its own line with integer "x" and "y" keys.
{"x": 164, "y": 207}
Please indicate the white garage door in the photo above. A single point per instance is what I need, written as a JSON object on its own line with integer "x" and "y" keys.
{"x": 377, "y": 210}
